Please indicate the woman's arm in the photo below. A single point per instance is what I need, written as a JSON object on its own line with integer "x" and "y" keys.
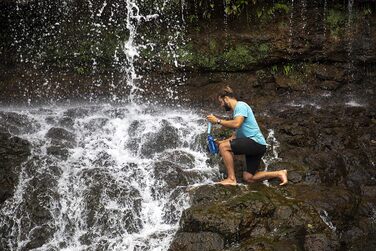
{"x": 233, "y": 124}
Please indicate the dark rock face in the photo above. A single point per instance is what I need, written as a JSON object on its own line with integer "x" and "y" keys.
{"x": 13, "y": 151}
{"x": 101, "y": 184}
{"x": 37, "y": 204}
{"x": 282, "y": 45}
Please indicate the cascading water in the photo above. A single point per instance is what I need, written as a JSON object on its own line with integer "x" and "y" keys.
{"x": 104, "y": 178}
{"x": 272, "y": 154}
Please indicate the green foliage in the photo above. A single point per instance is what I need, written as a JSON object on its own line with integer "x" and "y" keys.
{"x": 80, "y": 70}
{"x": 367, "y": 11}
{"x": 192, "y": 18}
{"x": 213, "y": 56}
{"x": 234, "y": 7}
{"x": 212, "y": 46}
{"x": 274, "y": 69}
{"x": 263, "y": 49}
{"x": 287, "y": 69}
{"x": 265, "y": 13}
{"x": 336, "y": 21}
{"x": 238, "y": 57}
{"x": 278, "y": 7}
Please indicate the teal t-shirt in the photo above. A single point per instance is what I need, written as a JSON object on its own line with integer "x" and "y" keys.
{"x": 249, "y": 128}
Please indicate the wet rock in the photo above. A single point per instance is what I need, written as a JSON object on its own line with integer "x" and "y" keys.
{"x": 38, "y": 204}
{"x": 16, "y": 123}
{"x": 317, "y": 242}
{"x": 166, "y": 138}
{"x": 181, "y": 158}
{"x": 284, "y": 82}
{"x": 61, "y": 137}
{"x": 210, "y": 194}
{"x": 264, "y": 77}
{"x": 265, "y": 244}
{"x": 330, "y": 85}
{"x": 13, "y": 151}
{"x": 204, "y": 241}
{"x": 339, "y": 203}
{"x": 134, "y": 132}
{"x": 58, "y": 151}
{"x": 51, "y": 120}
{"x": 76, "y": 112}
{"x": 169, "y": 176}
{"x": 96, "y": 124}
{"x": 103, "y": 159}
{"x": 256, "y": 212}
{"x": 66, "y": 122}
{"x": 100, "y": 188}
{"x": 283, "y": 212}
{"x": 176, "y": 201}
{"x": 38, "y": 236}
{"x": 329, "y": 72}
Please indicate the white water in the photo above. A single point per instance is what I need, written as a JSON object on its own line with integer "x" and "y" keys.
{"x": 108, "y": 194}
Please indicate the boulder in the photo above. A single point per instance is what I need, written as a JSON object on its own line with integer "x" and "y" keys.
{"x": 61, "y": 141}
{"x": 166, "y": 138}
{"x": 243, "y": 213}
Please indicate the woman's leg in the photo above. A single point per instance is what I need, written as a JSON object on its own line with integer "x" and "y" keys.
{"x": 228, "y": 159}
{"x": 262, "y": 175}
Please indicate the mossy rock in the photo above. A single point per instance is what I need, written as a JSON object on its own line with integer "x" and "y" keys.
{"x": 240, "y": 213}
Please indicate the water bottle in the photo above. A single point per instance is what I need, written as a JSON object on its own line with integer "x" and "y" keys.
{"x": 212, "y": 146}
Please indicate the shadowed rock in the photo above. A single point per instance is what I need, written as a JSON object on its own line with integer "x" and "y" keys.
{"x": 204, "y": 241}
{"x": 13, "y": 151}
{"x": 61, "y": 141}
{"x": 16, "y": 123}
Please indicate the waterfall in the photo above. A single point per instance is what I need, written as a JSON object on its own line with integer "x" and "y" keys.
{"x": 104, "y": 178}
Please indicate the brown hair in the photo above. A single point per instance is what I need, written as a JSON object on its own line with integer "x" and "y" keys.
{"x": 227, "y": 91}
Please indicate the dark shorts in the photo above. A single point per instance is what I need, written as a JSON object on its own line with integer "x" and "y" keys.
{"x": 253, "y": 152}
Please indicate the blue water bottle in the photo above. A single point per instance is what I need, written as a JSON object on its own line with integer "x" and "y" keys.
{"x": 212, "y": 146}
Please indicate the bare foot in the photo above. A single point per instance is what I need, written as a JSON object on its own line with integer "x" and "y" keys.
{"x": 228, "y": 182}
{"x": 283, "y": 177}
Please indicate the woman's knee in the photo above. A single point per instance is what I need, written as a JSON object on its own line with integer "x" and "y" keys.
{"x": 224, "y": 147}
